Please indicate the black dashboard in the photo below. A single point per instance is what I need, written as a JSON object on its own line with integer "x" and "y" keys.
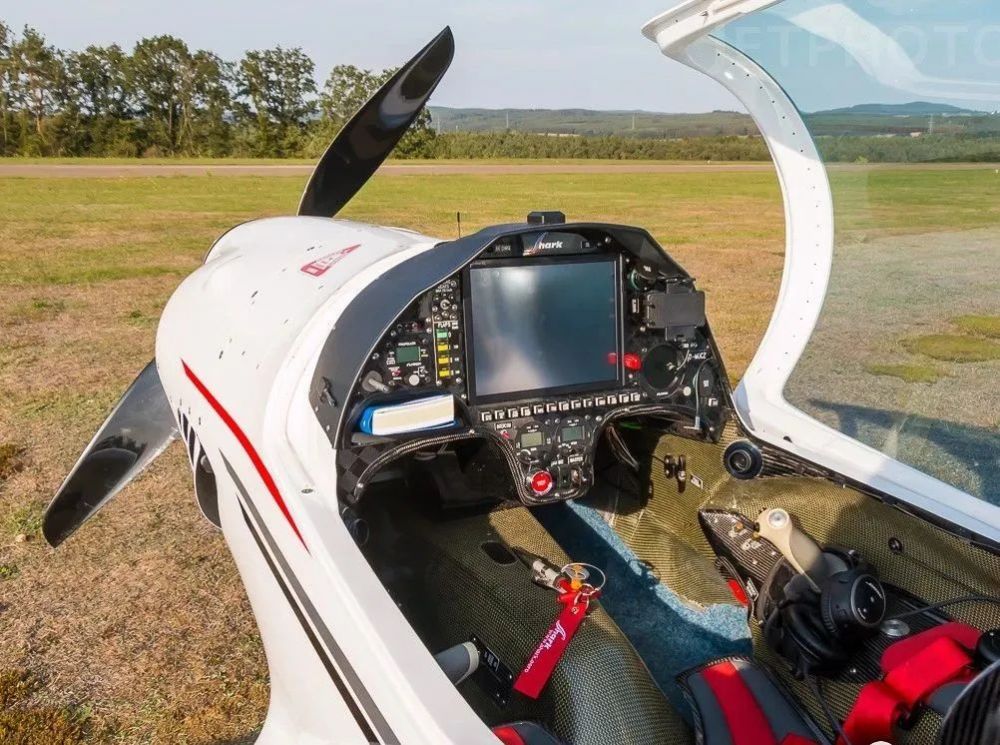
{"x": 544, "y": 338}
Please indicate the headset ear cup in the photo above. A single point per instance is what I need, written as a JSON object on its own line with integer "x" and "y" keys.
{"x": 828, "y": 597}
{"x": 852, "y": 602}
{"x": 805, "y": 627}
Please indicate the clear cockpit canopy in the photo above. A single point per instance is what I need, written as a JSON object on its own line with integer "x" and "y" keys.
{"x": 902, "y": 98}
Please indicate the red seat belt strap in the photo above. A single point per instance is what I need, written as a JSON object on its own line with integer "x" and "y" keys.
{"x": 793, "y": 739}
{"x": 745, "y": 720}
{"x": 874, "y": 715}
{"x": 914, "y": 669}
{"x": 904, "y": 649}
{"x": 940, "y": 662}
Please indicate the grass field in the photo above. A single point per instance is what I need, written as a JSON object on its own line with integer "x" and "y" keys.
{"x": 311, "y": 161}
{"x": 137, "y": 630}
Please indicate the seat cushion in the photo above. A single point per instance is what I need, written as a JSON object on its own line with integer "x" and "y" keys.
{"x": 738, "y": 703}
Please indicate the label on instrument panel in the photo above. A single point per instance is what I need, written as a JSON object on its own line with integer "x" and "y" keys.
{"x": 492, "y": 675}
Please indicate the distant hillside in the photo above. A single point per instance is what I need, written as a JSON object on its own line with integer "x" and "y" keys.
{"x": 873, "y": 119}
{"x": 915, "y": 108}
{"x": 591, "y": 122}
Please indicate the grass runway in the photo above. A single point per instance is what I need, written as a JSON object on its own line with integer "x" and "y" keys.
{"x": 137, "y": 629}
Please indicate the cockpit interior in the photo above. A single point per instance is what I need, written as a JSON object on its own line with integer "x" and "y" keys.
{"x": 549, "y": 424}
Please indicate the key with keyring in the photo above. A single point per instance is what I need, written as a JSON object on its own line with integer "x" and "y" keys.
{"x": 575, "y": 594}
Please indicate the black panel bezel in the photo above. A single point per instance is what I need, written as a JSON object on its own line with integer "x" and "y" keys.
{"x": 618, "y": 380}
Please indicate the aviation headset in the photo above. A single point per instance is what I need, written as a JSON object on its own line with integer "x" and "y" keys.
{"x": 816, "y": 615}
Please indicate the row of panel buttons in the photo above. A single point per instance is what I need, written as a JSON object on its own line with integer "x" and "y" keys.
{"x": 556, "y": 407}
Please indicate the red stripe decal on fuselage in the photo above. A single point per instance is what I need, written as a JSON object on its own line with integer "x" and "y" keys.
{"x": 248, "y": 447}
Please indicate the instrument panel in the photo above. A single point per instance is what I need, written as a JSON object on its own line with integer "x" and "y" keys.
{"x": 545, "y": 338}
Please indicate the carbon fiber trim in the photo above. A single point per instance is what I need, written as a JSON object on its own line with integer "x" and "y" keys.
{"x": 975, "y": 717}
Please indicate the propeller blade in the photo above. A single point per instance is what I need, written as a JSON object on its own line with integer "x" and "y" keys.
{"x": 139, "y": 428}
{"x": 371, "y": 134}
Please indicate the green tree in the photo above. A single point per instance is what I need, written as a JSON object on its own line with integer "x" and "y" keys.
{"x": 6, "y": 87}
{"x": 205, "y": 100}
{"x": 348, "y": 88}
{"x": 38, "y": 78}
{"x": 276, "y": 91}
{"x": 182, "y": 96}
{"x": 155, "y": 76}
{"x": 105, "y": 100}
{"x": 101, "y": 77}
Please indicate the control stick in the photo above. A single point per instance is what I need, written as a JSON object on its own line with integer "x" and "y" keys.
{"x": 779, "y": 527}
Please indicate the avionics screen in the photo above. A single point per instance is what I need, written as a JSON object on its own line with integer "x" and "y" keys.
{"x": 543, "y": 326}
{"x": 407, "y": 354}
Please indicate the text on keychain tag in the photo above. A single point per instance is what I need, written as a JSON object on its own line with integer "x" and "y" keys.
{"x": 542, "y": 663}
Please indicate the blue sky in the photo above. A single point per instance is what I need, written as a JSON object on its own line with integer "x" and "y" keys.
{"x": 834, "y": 54}
{"x": 510, "y": 53}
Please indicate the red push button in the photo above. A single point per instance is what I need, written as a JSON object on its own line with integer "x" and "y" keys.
{"x": 540, "y": 483}
{"x": 632, "y": 362}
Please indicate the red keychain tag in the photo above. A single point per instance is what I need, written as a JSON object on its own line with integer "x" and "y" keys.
{"x": 539, "y": 669}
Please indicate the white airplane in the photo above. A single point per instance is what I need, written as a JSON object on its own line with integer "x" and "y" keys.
{"x": 499, "y": 487}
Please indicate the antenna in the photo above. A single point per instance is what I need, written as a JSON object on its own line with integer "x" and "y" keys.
{"x": 458, "y": 219}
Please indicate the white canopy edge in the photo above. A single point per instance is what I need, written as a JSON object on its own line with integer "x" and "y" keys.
{"x": 683, "y": 33}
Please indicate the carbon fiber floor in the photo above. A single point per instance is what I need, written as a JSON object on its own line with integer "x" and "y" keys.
{"x": 450, "y": 588}
{"x": 657, "y": 518}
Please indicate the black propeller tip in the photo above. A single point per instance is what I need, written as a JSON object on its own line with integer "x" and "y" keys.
{"x": 368, "y": 138}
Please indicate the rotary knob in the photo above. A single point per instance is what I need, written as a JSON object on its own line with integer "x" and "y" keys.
{"x": 642, "y": 278}
{"x": 373, "y": 382}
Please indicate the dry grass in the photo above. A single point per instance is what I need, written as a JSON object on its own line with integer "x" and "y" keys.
{"x": 137, "y": 629}
{"x": 11, "y": 460}
{"x": 34, "y": 725}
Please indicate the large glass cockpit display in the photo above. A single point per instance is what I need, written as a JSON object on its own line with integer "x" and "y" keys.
{"x": 542, "y": 327}
{"x": 902, "y": 98}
